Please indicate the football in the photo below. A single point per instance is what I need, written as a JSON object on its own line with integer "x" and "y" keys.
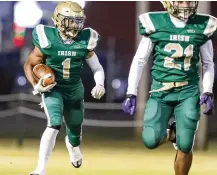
{"x": 40, "y": 70}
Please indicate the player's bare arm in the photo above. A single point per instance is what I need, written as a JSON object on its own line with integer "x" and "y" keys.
{"x": 35, "y": 57}
{"x": 99, "y": 75}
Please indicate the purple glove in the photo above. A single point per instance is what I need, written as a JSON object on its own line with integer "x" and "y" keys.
{"x": 207, "y": 99}
{"x": 129, "y": 104}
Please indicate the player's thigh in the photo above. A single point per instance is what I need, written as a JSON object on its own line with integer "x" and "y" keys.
{"x": 187, "y": 115}
{"x": 156, "y": 117}
{"x": 157, "y": 114}
{"x": 53, "y": 107}
{"x": 74, "y": 106}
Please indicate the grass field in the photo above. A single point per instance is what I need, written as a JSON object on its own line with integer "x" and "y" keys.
{"x": 104, "y": 158}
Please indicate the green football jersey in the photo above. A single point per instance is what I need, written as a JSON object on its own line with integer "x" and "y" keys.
{"x": 66, "y": 60}
{"x": 176, "y": 50}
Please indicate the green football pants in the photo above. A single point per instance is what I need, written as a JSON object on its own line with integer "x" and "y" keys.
{"x": 70, "y": 106}
{"x": 183, "y": 102}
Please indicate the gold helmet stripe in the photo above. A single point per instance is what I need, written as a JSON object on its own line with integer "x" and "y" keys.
{"x": 93, "y": 39}
{"x": 147, "y": 23}
{"x": 211, "y": 26}
{"x": 43, "y": 41}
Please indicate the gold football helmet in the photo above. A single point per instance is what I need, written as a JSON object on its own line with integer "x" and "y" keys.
{"x": 181, "y": 9}
{"x": 69, "y": 19}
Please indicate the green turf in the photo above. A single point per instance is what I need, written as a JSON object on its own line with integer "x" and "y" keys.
{"x": 102, "y": 158}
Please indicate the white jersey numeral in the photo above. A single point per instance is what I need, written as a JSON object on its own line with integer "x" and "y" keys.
{"x": 179, "y": 52}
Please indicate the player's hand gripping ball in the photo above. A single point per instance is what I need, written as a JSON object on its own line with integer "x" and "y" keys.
{"x": 45, "y": 78}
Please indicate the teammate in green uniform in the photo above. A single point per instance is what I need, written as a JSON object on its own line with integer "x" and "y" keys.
{"x": 177, "y": 37}
{"x": 64, "y": 48}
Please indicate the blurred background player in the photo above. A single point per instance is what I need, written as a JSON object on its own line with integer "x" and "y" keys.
{"x": 177, "y": 38}
{"x": 64, "y": 49}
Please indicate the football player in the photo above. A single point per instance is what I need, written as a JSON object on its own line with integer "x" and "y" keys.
{"x": 64, "y": 48}
{"x": 178, "y": 38}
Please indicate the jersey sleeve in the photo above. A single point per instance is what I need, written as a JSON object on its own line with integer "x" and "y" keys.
{"x": 211, "y": 27}
{"x": 146, "y": 26}
{"x": 93, "y": 39}
{"x": 35, "y": 38}
{"x": 39, "y": 37}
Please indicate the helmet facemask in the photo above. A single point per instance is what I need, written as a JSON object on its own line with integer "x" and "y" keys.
{"x": 182, "y": 12}
{"x": 181, "y": 9}
{"x": 71, "y": 26}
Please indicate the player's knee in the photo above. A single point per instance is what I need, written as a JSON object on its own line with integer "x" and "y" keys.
{"x": 57, "y": 127}
{"x": 185, "y": 140}
{"x": 185, "y": 147}
{"x": 150, "y": 138}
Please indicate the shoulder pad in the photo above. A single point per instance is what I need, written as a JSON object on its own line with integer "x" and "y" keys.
{"x": 92, "y": 39}
{"x": 145, "y": 24}
{"x": 211, "y": 26}
{"x": 39, "y": 37}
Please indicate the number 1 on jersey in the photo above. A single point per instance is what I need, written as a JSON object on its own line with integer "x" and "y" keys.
{"x": 66, "y": 67}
